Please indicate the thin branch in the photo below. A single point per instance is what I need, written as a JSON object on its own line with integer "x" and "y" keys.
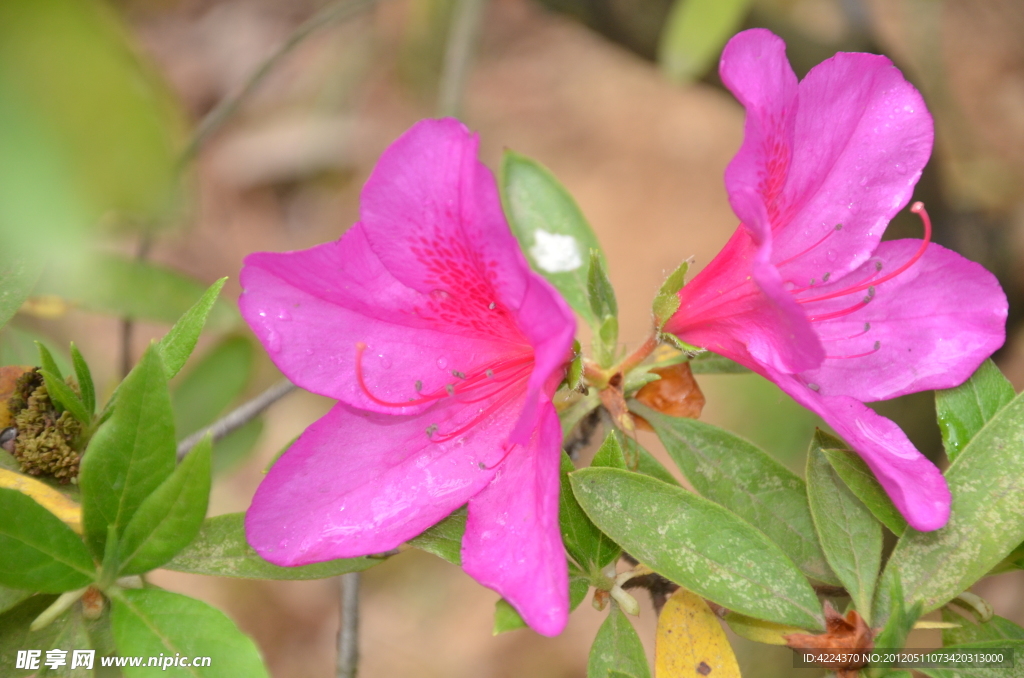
{"x": 461, "y": 41}
{"x": 127, "y": 322}
{"x": 238, "y": 417}
{"x": 338, "y": 11}
{"x": 348, "y": 632}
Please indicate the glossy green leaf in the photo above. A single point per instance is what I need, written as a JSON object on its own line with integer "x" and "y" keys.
{"x": 214, "y": 383}
{"x": 849, "y": 534}
{"x": 610, "y": 454}
{"x": 47, "y": 362}
{"x": 507, "y": 619}
{"x": 17, "y": 276}
{"x": 987, "y": 520}
{"x": 666, "y": 302}
{"x": 235, "y": 447}
{"x": 170, "y": 518}
{"x": 40, "y": 553}
{"x": 151, "y": 622}
{"x": 697, "y": 544}
{"x": 553, "y": 233}
{"x": 85, "y": 384}
{"x": 444, "y": 540}
{"x": 862, "y": 482}
{"x": 220, "y": 549}
{"x": 617, "y": 647}
{"x": 695, "y": 33}
{"x": 587, "y": 545}
{"x": 130, "y": 455}
{"x": 64, "y": 398}
{"x": 746, "y": 480}
{"x": 178, "y": 344}
{"x": 964, "y": 410}
{"x": 997, "y": 628}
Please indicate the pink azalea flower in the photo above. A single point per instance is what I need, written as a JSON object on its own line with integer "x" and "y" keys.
{"x": 444, "y": 350}
{"x": 805, "y": 293}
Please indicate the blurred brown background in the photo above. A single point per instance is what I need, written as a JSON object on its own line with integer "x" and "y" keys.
{"x": 573, "y": 84}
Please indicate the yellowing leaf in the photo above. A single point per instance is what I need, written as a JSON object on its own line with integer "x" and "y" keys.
{"x": 758, "y": 630}
{"x": 690, "y": 641}
{"x": 53, "y": 501}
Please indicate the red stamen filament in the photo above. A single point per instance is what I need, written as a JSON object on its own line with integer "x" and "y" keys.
{"x": 471, "y": 382}
{"x": 510, "y": 395}
{"x": 918, "y": 209}
{"x": 878, "y": 345}
{"x": 508, "y": 451}
{"x": 846, "y": 311}
{"x": 838, "y": 227}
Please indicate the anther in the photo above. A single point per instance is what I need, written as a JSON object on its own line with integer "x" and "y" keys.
{"x": 431, "y": 430}
{"x": 419, "y": 385}
{"x": 878, "y": 266}
{"x": 489, "y": 373}
{"x": 878, "y": 345}
{"x": 871, "y": 294}
{"x": 491, "y": 305}
{"x": 825, "y": 277}
{"x": 815, "y": 387}
{"x": 867, "y": 326}
{"x": 450, "y": 388}
{"x": 460, "y": 375}
{"x": 839, "y": 227}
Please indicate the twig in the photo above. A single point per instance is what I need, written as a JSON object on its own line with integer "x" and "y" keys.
{"x": 338, "y": 11}
{"x": 348, "y": 632}
{"x": 461, "y": 39}
{"x": 238, "y": 417}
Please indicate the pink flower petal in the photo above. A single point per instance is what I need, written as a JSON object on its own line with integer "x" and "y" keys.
{"x": 847, "y": 147}
{"x": 934, "y": 324}
{"x": 513, "y": 543}
{"x": 357, "y": 483}
{"x": 312, "y": 308}
{"x": 914, "y": 484}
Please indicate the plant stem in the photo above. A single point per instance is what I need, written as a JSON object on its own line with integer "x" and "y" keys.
{"x": 461, "y": 38}
{"x": 338, "y": 11}
{"x": 238, "y": 417}
{"x": 127, "y": 322}
{"x": 348, "y": 631}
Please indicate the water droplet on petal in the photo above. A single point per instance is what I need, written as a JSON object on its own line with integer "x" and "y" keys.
{"x": 900, "y": 168}
{"x": 863, "y": 181}
{"x": 831, "y": 255}
{"x": 283, "y": 314}
{"x": 385, "y": 362}
{"x": 273, "y": 341}
{"x": 442, "y": 363}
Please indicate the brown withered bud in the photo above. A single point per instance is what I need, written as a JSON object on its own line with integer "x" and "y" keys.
{"x": 675, "y": 394}
{"x": 92, "y": 603}
{"x": 842, "y": 634}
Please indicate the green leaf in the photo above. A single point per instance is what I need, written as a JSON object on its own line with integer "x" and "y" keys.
{"x": 577, "y": 412}
{"x": 552, "y": 231}
{"x": 986, "y": 523}
{"x": 15, "y": 634}
{"x": 607, "y": 341}
{"x": 997, "y": 628}
{"x": 574, "y": 373}
{"x": 697, "y": 544}
{"x": 40, "y": 553}
{"x": 151, "y": 622}
{"x": 746, "y": 480}
{"x": 213, "y": 384}
{"x": 17, "y": 276}
{"x": 507, "y": 619}
{"x": 136, "y": 289}
{"x": 610, "y": 453}
{"x": 712, "y": 363}
{"x": 649, "y": 466}
{"x": 64, "y": 398}
{"x": 1016, "y": 647}
{"x": 46, "y": 361}
{"x": 666, "y": 302}
{"x": 964, "y": 410}
{"x": 694, "y": 34}
{"x": 899, "y": 620}
{"x": 599, "y": 288}
{"x": 617, "y": 647}
{"x": 850, "y": 536}
{"x": 130, "y": 454}
{"x": 178, "y": 344}
{"x": 444, "y": 540}
{"x": 85, "y": 385}
{"x": 12, "y": 597}
{"x": 587, "y": 545}
{"x": 170, "y": 518}
{"x": 220, "y": 549}
{"x": 230, "y": 450}
{"x": 862, "y": 482}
